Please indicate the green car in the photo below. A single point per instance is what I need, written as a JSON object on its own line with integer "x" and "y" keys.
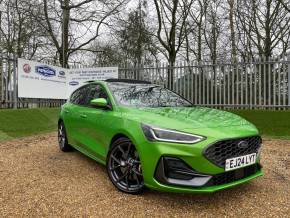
{"x": 149, "y": 136}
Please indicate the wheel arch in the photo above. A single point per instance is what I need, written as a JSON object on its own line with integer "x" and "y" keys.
{"x": 59, "y": 121}
{"x": 120, "y": 135}
{"x": 116, "y": 137}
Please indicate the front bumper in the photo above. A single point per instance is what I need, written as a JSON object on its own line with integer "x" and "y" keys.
{"x": 209, "y": 189}
{"x": 174, "y": 172}
{"x": 151, "y": 153}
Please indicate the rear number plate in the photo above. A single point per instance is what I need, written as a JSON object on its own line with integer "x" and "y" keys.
{"x": 238, "y": 162}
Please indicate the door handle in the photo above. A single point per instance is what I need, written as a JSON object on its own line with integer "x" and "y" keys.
{"x": 83, "y": 116}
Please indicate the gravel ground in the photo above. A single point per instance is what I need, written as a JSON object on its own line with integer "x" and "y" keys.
{"x": 39, "y": 180}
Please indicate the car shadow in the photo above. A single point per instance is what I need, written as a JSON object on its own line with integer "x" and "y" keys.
{"x": 178, "y": 199}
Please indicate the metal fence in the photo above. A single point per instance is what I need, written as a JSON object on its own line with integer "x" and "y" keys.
{"x": 256, "y": 84}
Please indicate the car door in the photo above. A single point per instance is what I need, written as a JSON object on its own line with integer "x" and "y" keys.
{"x": 97, "y": 123}
{"x": 74, "y": 116}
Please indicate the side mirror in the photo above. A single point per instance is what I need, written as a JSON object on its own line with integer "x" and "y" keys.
{"x": 100, "y": 102}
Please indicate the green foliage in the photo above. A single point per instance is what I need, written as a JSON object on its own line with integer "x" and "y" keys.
{"x": 132, "y": 43}
{"x": 135, "y": 37}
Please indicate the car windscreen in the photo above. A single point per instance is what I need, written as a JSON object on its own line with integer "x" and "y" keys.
{"x": 146, "y": 95}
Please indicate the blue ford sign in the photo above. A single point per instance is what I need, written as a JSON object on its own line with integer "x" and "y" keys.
{"x": 73, "y": 83}
{"x": 45, "y": 70}
{"x": 62, "y": 73}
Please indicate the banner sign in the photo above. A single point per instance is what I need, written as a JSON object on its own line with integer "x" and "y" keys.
{"x": 37, "y": 80}
{"x": 77, "y": 77}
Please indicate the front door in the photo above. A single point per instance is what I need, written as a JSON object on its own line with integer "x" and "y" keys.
{"x": 96, "y": 128}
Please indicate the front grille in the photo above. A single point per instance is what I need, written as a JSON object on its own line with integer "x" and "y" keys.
{"x": 218, "y": 152}
{"x": 233, "y": 176}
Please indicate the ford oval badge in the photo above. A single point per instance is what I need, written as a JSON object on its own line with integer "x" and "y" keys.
{"x": 45, "y": 71}
{"x": 74, "y": 83}
{"x": 243, "y": 144}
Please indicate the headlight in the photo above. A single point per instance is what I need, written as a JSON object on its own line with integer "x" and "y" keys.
{"x": 166, "y": 135}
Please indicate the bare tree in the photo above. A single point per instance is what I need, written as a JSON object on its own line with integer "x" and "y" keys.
{"x": 172, "y": 17}
{"x": 232, "y": 8}
{"x": 285, "y": 4}
{"x": 20, "y": 33}
{"x": 195, "y": 28}
{"x": 64, "y": 31}
{"x": 73, "y": 25}
{"x": 212, "y": 30}
{"x": 266, "y": 24}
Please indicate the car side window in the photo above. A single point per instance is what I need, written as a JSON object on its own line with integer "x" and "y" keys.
{"x": 79, "y": 96}
{"x": 96, "y": 91}
{"x": 74, "y": 96}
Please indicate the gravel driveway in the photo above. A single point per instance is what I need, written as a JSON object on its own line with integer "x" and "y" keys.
{"x": 39, "y": 180}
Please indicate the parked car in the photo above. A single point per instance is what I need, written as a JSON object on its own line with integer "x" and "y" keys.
{"x": 149, "y": 136}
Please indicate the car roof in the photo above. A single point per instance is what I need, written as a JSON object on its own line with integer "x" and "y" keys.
{"x": 128, "y": 81}
{"x": 131, "y": 81}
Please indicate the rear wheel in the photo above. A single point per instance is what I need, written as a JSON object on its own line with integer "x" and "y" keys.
{"x": 62, "y": 138}
{"x": 124, "y": 167}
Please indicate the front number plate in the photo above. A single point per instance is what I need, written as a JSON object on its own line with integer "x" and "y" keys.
{"x": 238, "y": 162}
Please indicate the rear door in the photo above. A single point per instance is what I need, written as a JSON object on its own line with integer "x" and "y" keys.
{"x": 74, "y": 117}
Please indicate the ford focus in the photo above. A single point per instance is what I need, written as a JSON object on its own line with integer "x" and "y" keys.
{"x": 149, "y": 136}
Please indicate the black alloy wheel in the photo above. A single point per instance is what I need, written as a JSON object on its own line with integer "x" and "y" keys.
{"x": 124, "y": 167}
{"x": 62, "y": 138}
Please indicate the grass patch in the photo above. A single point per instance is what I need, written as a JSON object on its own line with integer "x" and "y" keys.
{"x": 25, "y": 122}
{"x": 271, "y": 124}
{"x": 4, "y": 136}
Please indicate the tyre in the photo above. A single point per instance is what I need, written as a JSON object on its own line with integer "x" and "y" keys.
{"x": 124, "y": 167}
{"x": 62, "y": 138}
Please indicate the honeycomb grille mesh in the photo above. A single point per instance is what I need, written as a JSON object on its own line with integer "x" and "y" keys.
{"x": 218, "y": 152}
{"x": 233, "y": 176}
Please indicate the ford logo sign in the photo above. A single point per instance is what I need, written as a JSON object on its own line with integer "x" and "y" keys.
{"x": 45, "y": 70}
{"x": 62, "y": 73}
{"x": 73, "y": 83}
{"x": 243, "y": 144}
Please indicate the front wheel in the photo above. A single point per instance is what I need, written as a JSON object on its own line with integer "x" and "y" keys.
{"x": 124, "y": 167}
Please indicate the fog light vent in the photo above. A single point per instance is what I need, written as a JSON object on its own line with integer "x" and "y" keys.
{"x": 176, "y": 164}
{"x": 174, "y": 171}
{"x": 175, "y": 168}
